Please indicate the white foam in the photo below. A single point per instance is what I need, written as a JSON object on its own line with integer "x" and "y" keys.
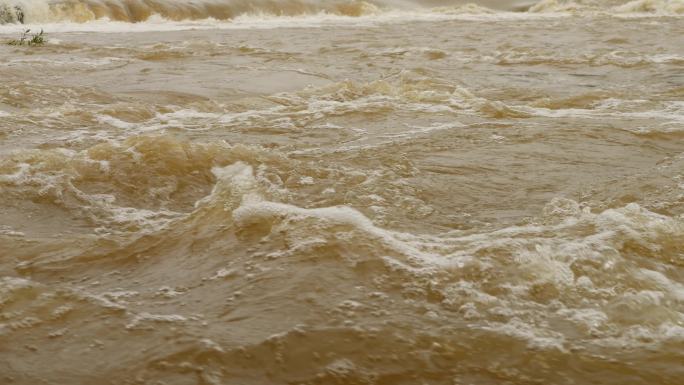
{"x": 665, "y": 7}
{"x": 9, "y": 231}
{"x": 536, "y": 338}
{"x": 158, "y": 24}
{"x": 147, "y": 317}
{"x": 53, "y": 62}
{"x": 19, "y": 176}
{"x": 666, "y": 116}
{"x": 533, "y": 254}
{"x": 114, "y": 122}
{"x": 636, "y": 8}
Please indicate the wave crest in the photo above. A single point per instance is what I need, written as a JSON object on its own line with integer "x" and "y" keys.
{"x": 610, "y": 7}
{"x": 35, "y": 11}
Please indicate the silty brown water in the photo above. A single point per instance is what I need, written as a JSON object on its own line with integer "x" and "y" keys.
{"x": 425, "y": 196}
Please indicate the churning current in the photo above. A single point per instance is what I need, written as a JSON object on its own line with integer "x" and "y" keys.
{"x": 223, "y": 192}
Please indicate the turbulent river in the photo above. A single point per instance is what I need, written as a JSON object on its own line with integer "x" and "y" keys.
{"x": 237, "y": 192}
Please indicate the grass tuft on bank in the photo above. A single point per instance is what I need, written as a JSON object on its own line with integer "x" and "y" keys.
{"x": 30, "y": 39}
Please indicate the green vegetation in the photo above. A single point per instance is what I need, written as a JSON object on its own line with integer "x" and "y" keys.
{"x": 30, "y": 39}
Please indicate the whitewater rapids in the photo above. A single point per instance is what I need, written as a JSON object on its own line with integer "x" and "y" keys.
{"x": 342, "y": 192}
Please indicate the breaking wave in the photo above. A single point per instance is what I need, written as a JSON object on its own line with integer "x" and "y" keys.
{"x": 605, "y": 277}
{"x": 666, "y": 7}
{"x": 46, "y": 11}
{"x": 32, "y": 11}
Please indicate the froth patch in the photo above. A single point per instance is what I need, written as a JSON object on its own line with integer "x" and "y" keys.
{"x": 652, "y": 6}
{"x": 31, "y": 11}
{"x": 660, "y": 7}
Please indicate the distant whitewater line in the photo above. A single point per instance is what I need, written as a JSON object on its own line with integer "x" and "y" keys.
{"x": 12, "y": 11}
{"x": 40, "y": 11}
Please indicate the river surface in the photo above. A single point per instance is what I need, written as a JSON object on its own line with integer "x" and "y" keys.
{"x": 328, "y": 192}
